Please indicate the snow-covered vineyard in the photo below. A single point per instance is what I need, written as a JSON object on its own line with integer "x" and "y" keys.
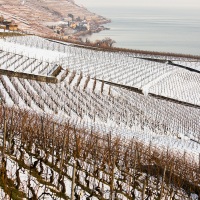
{"x": 43, "y": 159}
{"x": 121, "y": 68}
{"x": 91, "y": 94}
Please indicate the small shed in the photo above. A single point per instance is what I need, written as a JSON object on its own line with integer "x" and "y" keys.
{"x": 10, "y": 25}
{"x": 13, "y": 27}
{"x": 3, "y": 27}
{"x": 6, "y": 22}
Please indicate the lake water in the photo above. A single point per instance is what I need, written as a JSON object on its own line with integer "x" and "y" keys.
{"x": 174, "y": 30}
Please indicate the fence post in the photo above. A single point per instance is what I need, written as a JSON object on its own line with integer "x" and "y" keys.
{"x": 3, "y": 161}
{"x": 144, "y": 188}
{"x": 199, "y": 162}
{"x": 62, "y": 158}
{"x": 112, "y": 180}
{"x": 63, "y": 154}
{"x": 73, "y": 180}
{"x": 11, "y": 131}
{"x": 171, "y": 193}
{"x": 52, "y": 153}
{"x": 162, "y": 186}
{"x": 4, "y": 138}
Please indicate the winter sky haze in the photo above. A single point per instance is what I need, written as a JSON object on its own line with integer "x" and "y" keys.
{"x": 163, "y": 3}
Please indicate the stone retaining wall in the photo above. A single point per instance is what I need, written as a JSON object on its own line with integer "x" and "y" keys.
{"x": 47, "y": 79}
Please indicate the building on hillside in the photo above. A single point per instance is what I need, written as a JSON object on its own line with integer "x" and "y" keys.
{"x": 2, "y": 27}
{"x": 10, "y": 25}
{"x": 1, "y": 19}
{"x": 73, "y": 25}
{"x": 88, "y": 26}
{"x": 58, "y": 29}
{"x": 6, "y": 22}
{"x": 13, "y": 27}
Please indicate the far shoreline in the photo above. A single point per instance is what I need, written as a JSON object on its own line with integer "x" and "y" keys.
{"x": 136, "y": 31}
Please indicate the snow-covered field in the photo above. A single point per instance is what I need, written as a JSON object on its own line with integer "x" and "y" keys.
{"x": 117, "y": 67}
{"x": 86, "y": 102}
{"x": 36, "y": 172}
{"x": 80, "y": 98}
{"x": 125, "y": 113}
{"x": 190, "y": 64}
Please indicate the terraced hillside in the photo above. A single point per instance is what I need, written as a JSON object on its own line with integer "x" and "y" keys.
{"x": 132, "y": 70}
{"x": 125, "y": 104}
{"x": 33, "y": 15}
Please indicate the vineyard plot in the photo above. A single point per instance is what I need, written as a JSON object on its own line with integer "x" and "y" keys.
{"x": 116, "y": 125}
{"x": 39, "y": 157}
{"x": 134, "y": 70}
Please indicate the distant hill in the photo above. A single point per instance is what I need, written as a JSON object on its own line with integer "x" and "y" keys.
{"x": 33, "y": 15}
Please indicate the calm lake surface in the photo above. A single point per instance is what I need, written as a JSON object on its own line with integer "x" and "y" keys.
{"x": 174, "y": 30}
